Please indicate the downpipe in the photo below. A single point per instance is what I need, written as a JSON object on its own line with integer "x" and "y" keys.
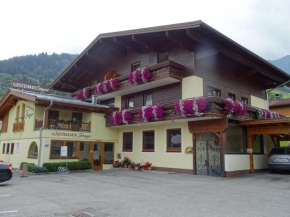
{"x": 40, "y": 134}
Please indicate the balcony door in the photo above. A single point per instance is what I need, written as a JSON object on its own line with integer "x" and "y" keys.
{"x": 97, "y": 155}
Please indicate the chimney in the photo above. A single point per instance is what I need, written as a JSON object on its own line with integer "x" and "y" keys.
{"x": 277, "y": 96}
{"x": 94, "y": 99}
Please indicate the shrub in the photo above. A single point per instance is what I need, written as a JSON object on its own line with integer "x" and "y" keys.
{"x": 36, "y": 169}
{"x": 78, "y": 165}
{"x": 27, "y": 164}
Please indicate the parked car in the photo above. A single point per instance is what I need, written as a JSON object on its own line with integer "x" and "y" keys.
{"x": 5, "y": 172}
{"x": 279, "y": 159}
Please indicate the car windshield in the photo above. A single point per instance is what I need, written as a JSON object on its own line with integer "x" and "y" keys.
{"x": 280, "y": 151}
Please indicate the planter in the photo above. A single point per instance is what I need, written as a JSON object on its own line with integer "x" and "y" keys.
{"x": 142, "y": 169}
{"x": 149, "y": 168}
{"x": 126, "y": 166}
{"x": 136, "y": 168}
{"x": 129, "y": 166}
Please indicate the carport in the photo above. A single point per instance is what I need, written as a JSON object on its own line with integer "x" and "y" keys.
{"x": 277, "y": 129}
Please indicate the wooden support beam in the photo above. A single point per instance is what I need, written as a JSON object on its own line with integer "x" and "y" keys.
{"x": 145, "y": 43}
{"x": 126, "y": 44}
{"x": 269, "y": 130}
{"x": 97, "y": 57}
{"x": 196, "y": 36}
{"x": 251, "y": 156}
{"x": 114, "y": 46}
{"x": 181, "y": 40}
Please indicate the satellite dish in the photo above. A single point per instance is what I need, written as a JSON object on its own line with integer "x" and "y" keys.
{"x": 0, "y": 125}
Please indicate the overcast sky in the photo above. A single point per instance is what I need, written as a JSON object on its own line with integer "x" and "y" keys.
{"x": 31, "y": 27}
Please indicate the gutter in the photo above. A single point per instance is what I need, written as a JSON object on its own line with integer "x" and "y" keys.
{"x": 40, "y": 133}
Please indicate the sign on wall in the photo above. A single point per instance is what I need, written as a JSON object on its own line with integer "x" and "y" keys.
{"x": 46, "y": 143}
{"x": 29, "y": 86}
{"x": 63, "y": 151}
{"x": 17, "y": 147}
{"x": 71, "y": 135}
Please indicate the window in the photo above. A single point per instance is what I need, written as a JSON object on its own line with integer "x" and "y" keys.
{"x": 55, "y": 149}
{"x": 77, "y": 117}
{"x": 213, "y": 92}
{"x": 71, "y": 149}
{"x": 3, "y": 150}
{"x": 136, "y": 67}
{"x": 53, "y": 115}
{"x": 130, "y": 102}
{"x": 110, "y": 75}
{"x": 236, "y": 142}
{"x": 95, "y": 81}
{"x": 33, "y": 150}
{"x": 12, "y": 148}
{"x": 109, "y": 153}
{"x": 128, "y": 141}
{"x": 258, "y": 145}
{"x": 173, "y": 140}
{"x": 148, "y": 141}
{"x": 232, "y": 96}
{"x": 82, "y": 146}
{"x": 8, "y": 147}
{"x": 245, "y": 100}
{"x": 148, "y": 99}
{"x": 162, "y": 57}
{"x": 85, "y": 151}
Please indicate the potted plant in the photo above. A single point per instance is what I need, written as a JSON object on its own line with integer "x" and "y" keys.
{"x": 136, "y": 166}
{"x": 148, "y": 165}
{"x": 142, "y": 168}
{"x": 116, "y": 164}
{"x": 126, "y": 162}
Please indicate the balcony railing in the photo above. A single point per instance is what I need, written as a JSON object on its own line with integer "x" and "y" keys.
{"x": 54, "y": 124}
{"x": 164, "y": 73}
{"x": 18, "y": 127}
{"x": 214, "y": 110}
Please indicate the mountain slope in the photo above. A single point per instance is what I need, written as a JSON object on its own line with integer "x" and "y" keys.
{"x": 283, "y": 63}
{"x": 39, "y": 69}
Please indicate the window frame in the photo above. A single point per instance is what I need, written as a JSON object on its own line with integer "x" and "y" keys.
{"x": 127, "y": 150}
{"x": 143, "y": 150}
{"x": 145, "y": 97}
{"x": 173, "y": 150}
{"x": 127, "y": 101}
{"x": 105, "y": 150}
{"x": 232, "y": 96}
{"x": 12, "y": 149}
{"x": 216, "y": 89}
{"x": 133, "y": 65}
{"x": 64, "y": 144}
{"x": 8, "y": 148}
{"x": 3, "y": 148}
{"x": 35, "y": 145}
{"x": 245, "y": 98}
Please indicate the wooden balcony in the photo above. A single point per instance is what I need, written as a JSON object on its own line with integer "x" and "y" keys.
{"x": 164, "y": 73}
{"x": 19, "y": 126}
{"x": 214, "y": 110}
{"x": 53, "y": 124}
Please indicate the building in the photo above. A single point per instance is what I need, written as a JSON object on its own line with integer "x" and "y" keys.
{"x": 189, "y": 70}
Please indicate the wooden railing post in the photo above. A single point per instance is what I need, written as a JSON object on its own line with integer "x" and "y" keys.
{"x": 250, "y": 150}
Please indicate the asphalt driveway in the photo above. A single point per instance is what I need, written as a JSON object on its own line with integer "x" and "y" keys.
{"x": 121, "y": 192}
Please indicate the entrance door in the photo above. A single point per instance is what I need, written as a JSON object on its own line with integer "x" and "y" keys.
{"x": 97, "y": 155}
{"x": 208, "y": 155}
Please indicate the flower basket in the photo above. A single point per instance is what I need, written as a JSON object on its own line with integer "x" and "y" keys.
{"x": 83, "y": 94}
{"x": 232, "y": 107}
{"x": 155, "y": 112}
{"x": 138, "y": 77}
{"x": 191, "y": 107}
{"x": 266, "y": 114}
{"x": 121, "y": 117}
{"x": 106, "y": 86}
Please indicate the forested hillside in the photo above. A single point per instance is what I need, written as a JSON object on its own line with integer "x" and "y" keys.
{"x": 39, "y": 69}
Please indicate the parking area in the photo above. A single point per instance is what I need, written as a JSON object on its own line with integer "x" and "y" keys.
{"x": 122, "y": 192}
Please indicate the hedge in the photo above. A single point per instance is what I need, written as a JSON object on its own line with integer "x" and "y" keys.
{"x": 78, "y": 165}
{"x": 27, "y": 164}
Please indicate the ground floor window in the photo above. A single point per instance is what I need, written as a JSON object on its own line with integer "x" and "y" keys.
{"x": 55, "y": 149}
{"x": 33, "y": 150}
{"x": 3, "y": 150}
{"x": 173, "y": 140}
{"x": 108, "y": 153}
{"x": 12, "y": 148}
{"x": 8, "y": 147}
{"x": 128, "y": 141}
{"x": 71, "y": 149}
{"x": 236, "y": 140}
{"x": 148, "y": 141}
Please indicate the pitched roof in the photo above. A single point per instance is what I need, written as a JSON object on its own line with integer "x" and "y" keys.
{"x": 281, "y": 102}
{"x": 206, "y": 35}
